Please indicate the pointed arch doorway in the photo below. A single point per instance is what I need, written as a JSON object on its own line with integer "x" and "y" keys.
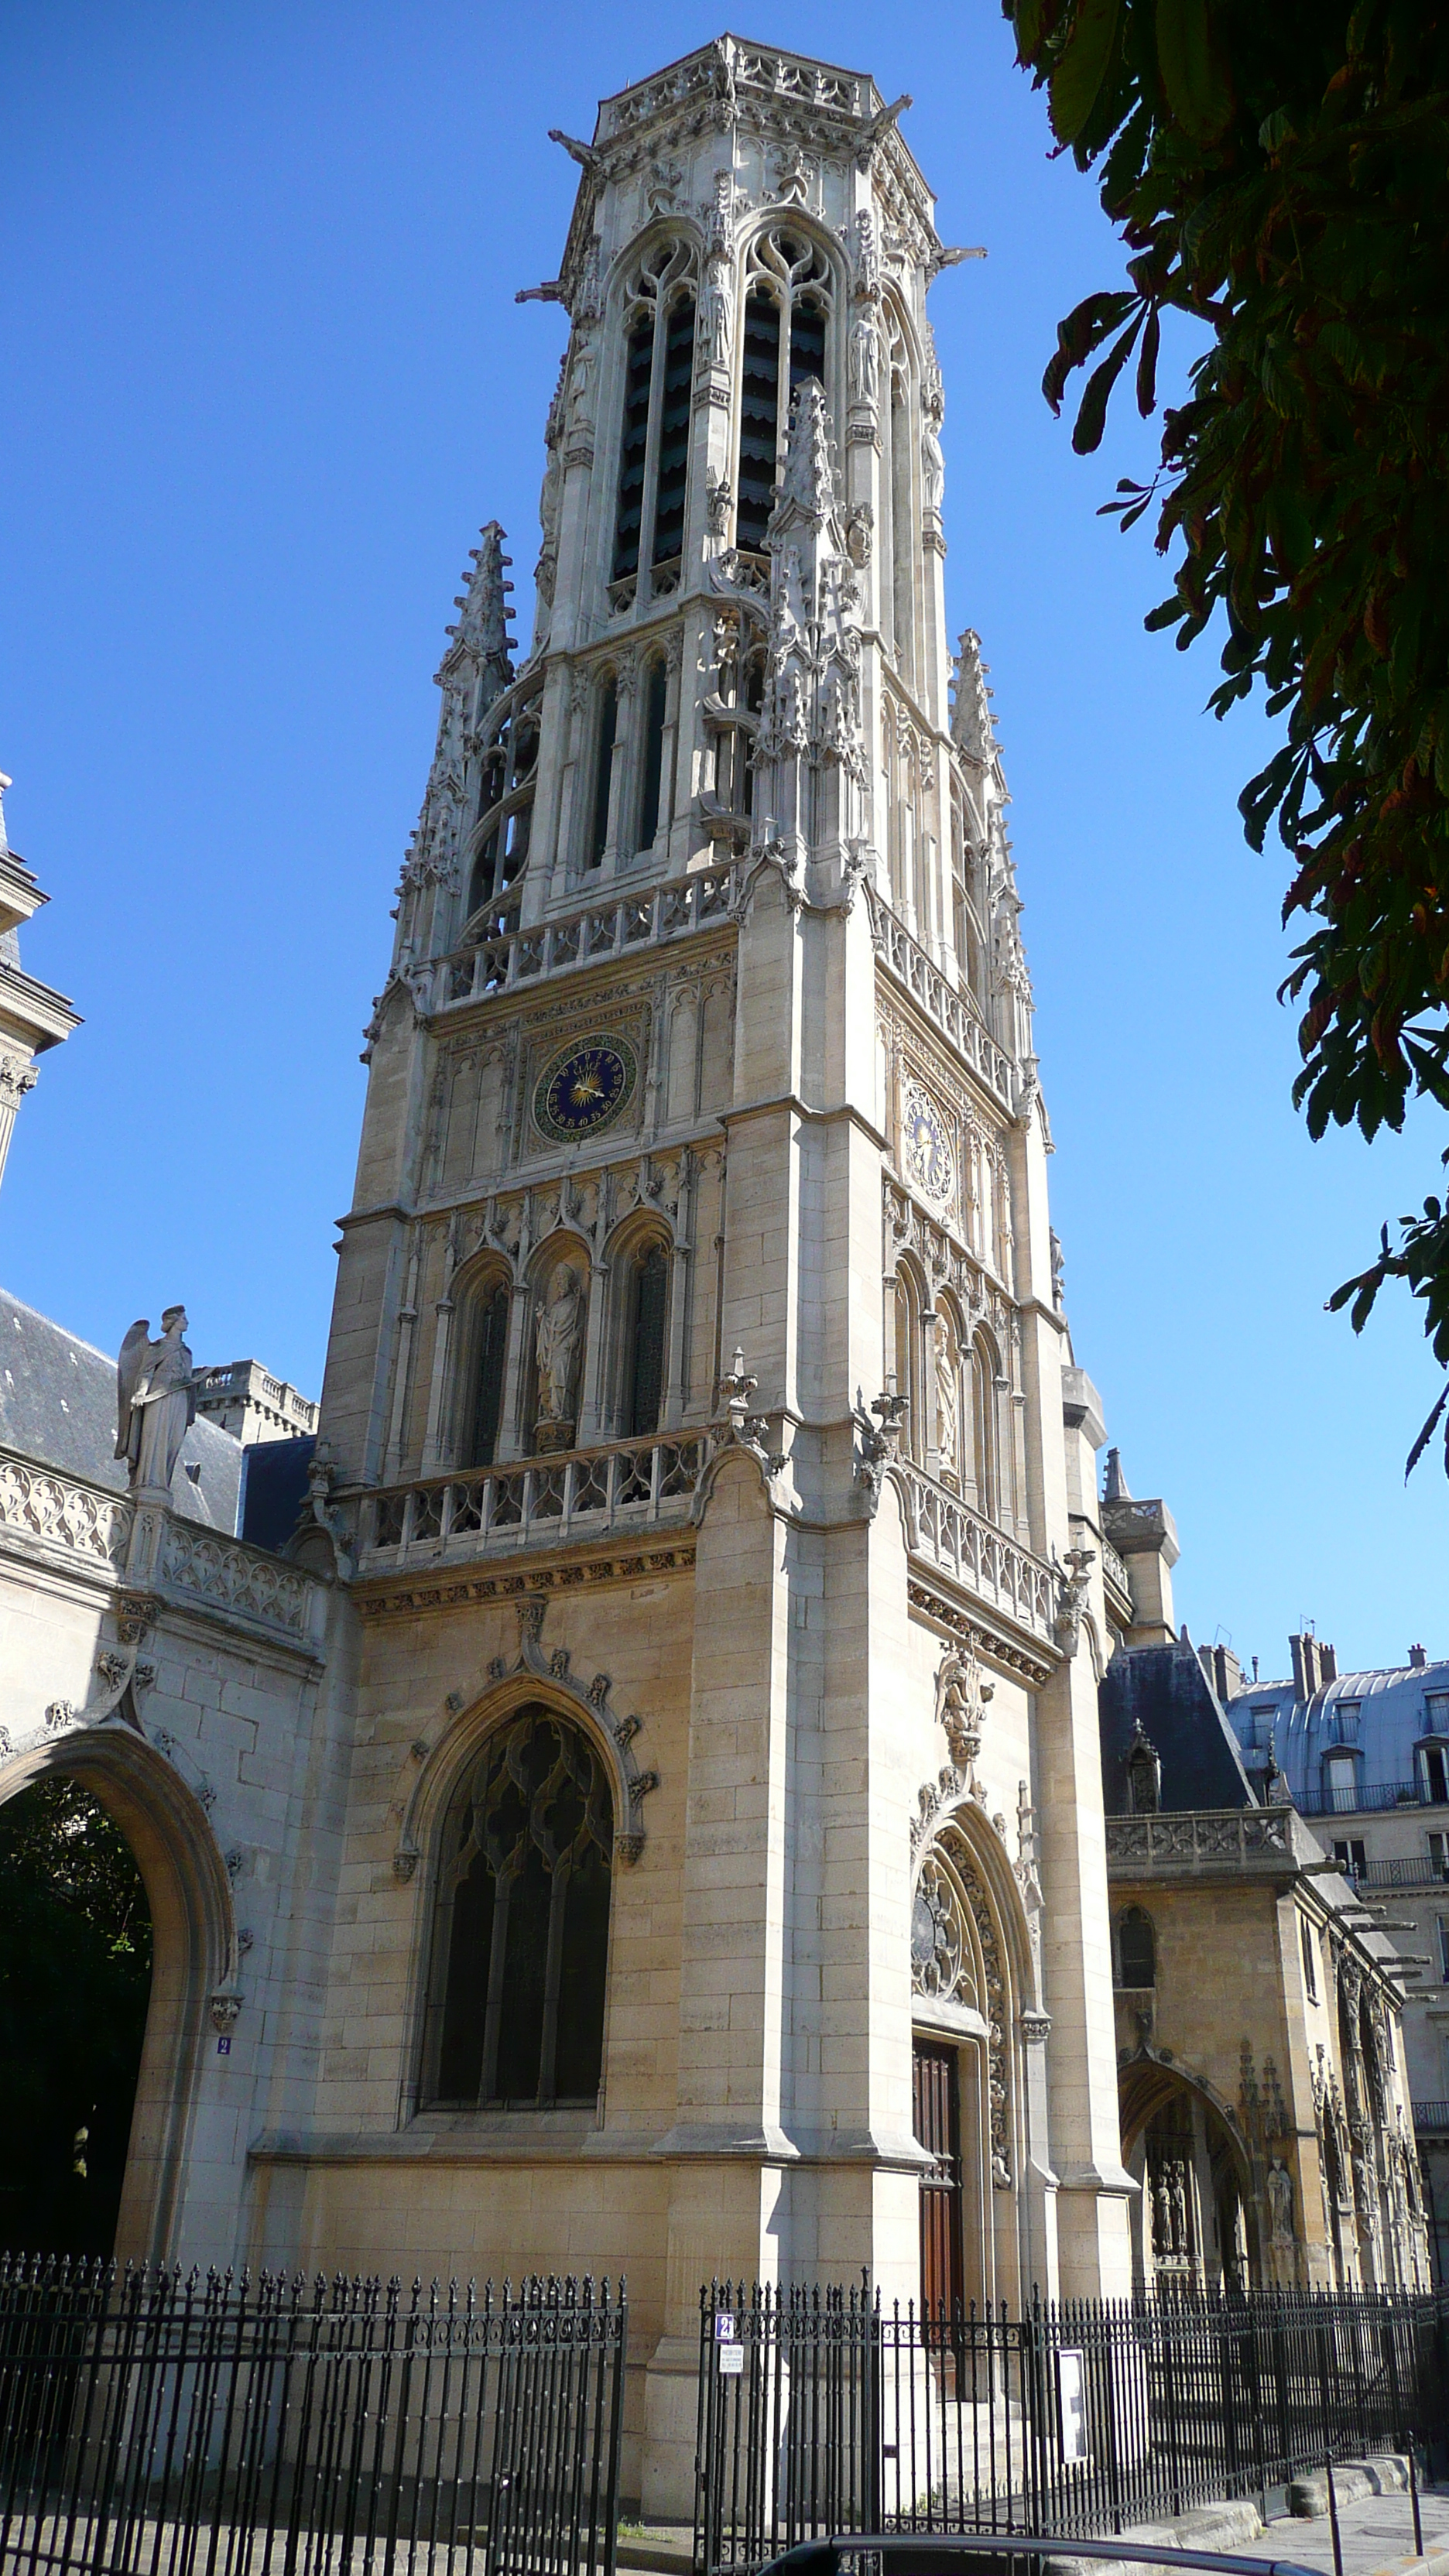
{"x": 194, "y": 1954}
{"x": 75, "y": 1988}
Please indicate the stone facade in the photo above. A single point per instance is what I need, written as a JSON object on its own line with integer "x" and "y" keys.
{"x": 246, "y": 1400}
{"x": 1365, "y": 1756}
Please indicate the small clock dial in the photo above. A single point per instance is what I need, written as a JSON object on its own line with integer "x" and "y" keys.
{"x": 585, "y": 1087}
{"x": 928, "y": 1157}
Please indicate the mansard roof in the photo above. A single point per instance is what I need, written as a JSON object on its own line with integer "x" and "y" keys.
{"x": 1393, "y": 1716}
{"x": 58, "y": 1406}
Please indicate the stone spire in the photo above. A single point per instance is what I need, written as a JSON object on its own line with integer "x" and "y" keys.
{"x": 811, "y": 706}
{"x": 482, "y": 630}
{"x": 474, "y": 672}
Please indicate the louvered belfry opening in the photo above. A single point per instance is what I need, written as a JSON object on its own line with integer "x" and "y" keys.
{"x": 521, "y": 1930}
{"x": 633, "y": 446}
{"x": 674, "y": 432}
{"x": 759, "y": 419}
{"x": 603, "y": 770}
{"x": 655, "y": 700}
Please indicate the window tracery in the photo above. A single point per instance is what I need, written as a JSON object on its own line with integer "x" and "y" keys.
{"x": 653, "y": 478}
{"x": 731, "y": 712}
{"x": 788, "y": 302}
{"x": 957, "y": 1957}
{"x": 520, "y": 1935}
{"x": 508, "y": 772}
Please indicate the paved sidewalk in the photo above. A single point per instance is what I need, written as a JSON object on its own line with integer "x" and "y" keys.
{"x": 1375, "y": 2532}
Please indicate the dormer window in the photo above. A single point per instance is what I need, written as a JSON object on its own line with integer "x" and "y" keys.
{"x": 1144, "y": 1776}
{"x": 653, "y": 483}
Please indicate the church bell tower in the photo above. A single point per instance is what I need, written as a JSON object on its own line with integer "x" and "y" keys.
{"x": 700, "y": 1399}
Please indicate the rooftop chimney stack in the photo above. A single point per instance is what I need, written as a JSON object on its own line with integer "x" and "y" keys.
{"x": 1417, "y": 1659}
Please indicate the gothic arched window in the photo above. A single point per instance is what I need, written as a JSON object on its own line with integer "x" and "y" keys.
{"x": 787, "y": 305}
{"x": 983, "y": 1427}
{"x": 521, "y": 1926}
{"x": 507, "y": 776}
{"x": 605, "y": 730}
{"x": 672, "y": 474}
{"x": 656, "y": 698}
{"x": 488, "y": 1357}
{"x": 654, "y": 429}
{"x": 633, "y": 447}
{"x": 1136, "y": 1949}
{"x": 644, "y": 1390}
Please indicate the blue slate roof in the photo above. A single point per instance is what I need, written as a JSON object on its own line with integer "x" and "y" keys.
{"x": 1164, "y": 1691}
{"x": 58, "y": 1405}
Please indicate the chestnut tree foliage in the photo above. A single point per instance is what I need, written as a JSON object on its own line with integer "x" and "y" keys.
{"x": 1280, "y": 173}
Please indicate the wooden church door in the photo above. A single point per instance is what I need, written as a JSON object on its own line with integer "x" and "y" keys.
{"x": 937, "y": 2106}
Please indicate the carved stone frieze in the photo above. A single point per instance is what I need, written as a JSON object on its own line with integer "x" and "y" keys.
{"x": 453, "y": 1591}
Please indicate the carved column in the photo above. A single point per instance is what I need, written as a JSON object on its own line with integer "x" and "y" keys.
{"x": 438, "y": 1448}
{"x": 515, "y": 1437}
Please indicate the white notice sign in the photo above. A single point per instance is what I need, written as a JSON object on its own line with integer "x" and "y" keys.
{"x": 1072, "y": 2405}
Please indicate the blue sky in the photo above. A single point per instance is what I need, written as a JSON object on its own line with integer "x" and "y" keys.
{"x": 265, "y": 377}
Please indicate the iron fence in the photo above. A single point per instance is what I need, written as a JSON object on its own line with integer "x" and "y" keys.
{"x": 152, "y": 2425}
{"x": 824, "y": 2411}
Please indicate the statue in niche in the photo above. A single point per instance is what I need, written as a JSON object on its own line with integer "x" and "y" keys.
{"x": 156, "y": 1401}
{"x": 948, "y": 1406}
{"x": 716, "y": 311}
{"x": 864, "y": 363}
{"x": 1280, "y": 2202}
{"x": 558, "y": 1335}
{"x": 1178, "y": 2181}
{"x": 933, "y": 463}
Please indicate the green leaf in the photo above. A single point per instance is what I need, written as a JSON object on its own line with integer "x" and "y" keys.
{"x": 1092, "y": 418}
{"x": 1193, "y": 72}
{"x": 1026, "y": 18}
{"x": 1147, "y": 364}
{"x": 1083, "y": 67}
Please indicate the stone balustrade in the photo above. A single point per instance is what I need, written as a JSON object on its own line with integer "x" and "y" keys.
{"x": 1206, "y": 1837}
{"x": 948, "y": 1534}
{"x": 223, "y": 1574}
{"x": 940, "y": 1001}
{"x": 499, "y": 1511}
{"x": 1114, "y": 1567}
{"x": 80, "y": 1520}
{"x": 625, "y": 924}
{"x": 156, "y": 1552}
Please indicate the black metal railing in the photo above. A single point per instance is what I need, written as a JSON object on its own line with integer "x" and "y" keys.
{"x": 153, "y": 2425}
{"x": 823, "y": 2411}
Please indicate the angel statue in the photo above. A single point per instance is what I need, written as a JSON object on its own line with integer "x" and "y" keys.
{"x": 156, "y": 1401}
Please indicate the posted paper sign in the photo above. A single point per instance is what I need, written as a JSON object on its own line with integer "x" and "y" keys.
{"x": 1072, "y": 2405}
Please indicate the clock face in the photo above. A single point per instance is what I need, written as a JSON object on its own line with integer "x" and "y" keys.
{"x": 585, "y": 1087}
{"x": 928, "y": 1155}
